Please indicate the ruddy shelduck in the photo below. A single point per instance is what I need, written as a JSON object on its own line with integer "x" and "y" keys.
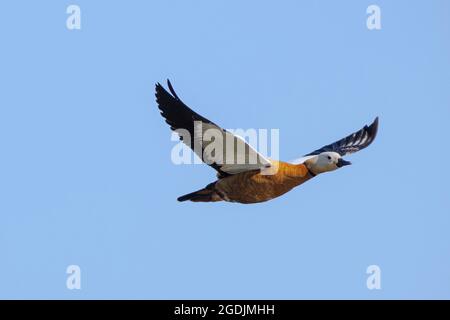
{"x": 251, "y": 181}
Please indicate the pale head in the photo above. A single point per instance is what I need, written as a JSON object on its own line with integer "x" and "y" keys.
{"x": 326, "y": 161}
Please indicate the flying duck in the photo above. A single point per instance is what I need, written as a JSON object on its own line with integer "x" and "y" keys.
{"x": 251, "y": 181}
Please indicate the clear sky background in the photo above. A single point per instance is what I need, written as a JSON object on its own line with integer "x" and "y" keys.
{"x": 86, "y": 176}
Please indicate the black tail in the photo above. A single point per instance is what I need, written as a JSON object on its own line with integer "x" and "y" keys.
{"x": 203, "y": 195}
{"x": 200, "y": 195}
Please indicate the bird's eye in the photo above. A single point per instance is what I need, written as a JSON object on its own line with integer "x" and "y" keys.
{"x": 329, "y": 158}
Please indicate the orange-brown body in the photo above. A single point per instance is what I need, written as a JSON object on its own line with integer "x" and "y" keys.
{"x": 255, "y": 186}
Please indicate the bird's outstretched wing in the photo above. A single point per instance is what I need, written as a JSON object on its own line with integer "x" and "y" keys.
{"x": 352, "y": 143}
{"x": 241, "y": 156}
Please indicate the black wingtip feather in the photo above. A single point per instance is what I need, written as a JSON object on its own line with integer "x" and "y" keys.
{"x": 372, "y": 130}
{"x": 172, "y": 91}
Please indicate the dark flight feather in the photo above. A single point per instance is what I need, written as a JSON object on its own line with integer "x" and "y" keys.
{"x": 353, "y": 142}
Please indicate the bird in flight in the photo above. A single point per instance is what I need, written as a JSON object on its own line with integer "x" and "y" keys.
{"x": 254, "y": 178}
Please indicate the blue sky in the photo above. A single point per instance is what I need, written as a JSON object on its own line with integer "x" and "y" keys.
{"x": 86, "y": 175}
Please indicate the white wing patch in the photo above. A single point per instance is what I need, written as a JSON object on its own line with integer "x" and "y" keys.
{"x": 241, "y": 156}
{"x": 301, "y": 160}
{"x": 252, "y": 160}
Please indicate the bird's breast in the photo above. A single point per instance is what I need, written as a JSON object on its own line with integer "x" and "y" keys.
{"x": 254, "y": 186}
